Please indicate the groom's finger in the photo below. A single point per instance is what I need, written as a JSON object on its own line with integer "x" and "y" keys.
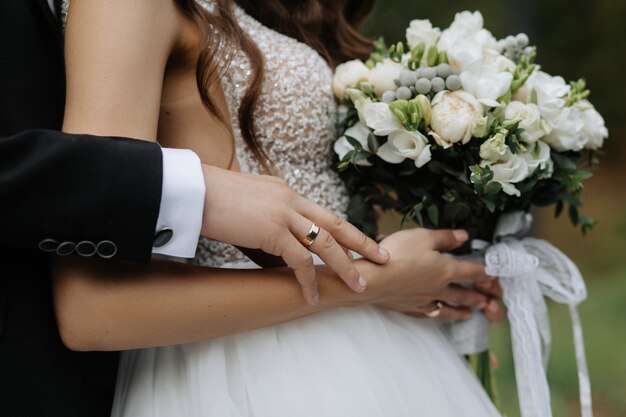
{"x": 330, "y": 252}
{"x": 298, "y": 258}
{"x": 343, "y": 232}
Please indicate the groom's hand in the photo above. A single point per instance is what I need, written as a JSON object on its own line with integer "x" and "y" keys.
{"x": 263, "y": 212}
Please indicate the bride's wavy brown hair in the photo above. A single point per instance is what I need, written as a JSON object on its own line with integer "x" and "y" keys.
{"x": 331, "y": 27}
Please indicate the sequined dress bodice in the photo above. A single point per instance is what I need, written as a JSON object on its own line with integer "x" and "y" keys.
{"x": 294, "y": 122}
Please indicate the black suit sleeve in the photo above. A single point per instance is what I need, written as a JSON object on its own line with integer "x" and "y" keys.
{"x": 59, "y": 188}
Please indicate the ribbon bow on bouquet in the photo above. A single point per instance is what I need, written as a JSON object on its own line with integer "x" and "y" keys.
{"x": 530, "y": 269}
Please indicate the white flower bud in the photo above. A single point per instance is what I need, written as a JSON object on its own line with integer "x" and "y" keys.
{"x": 422, "y": 31}
{"x": 348, "y": 75}
{"x": 383, "y": 76}
{"x": 529, "y": 119}
{"x": 379, "y": 117}
{"x": 494, "y": 148}
{"x": 358, "y": 132}
{"x": 402, "y": 145}
{"x": 508, "y": 170}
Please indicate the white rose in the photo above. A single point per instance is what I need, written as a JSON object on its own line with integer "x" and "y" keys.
{"x": 494, "y": 148}
{"x": 383, "y": 76}
{"x": 467, "y": 21}
{"x": 566, "y": 134}
{"x": 549, "y": 92}
{"x": 348, "y": 75}
{"x": 358, "y": 132}
{"x": 453, "y": 117}
{"x": 402, "y": 145}
{"x": 509, "y": 170}
{"x": 485, "y": 83}
{"x": 498, "y": 61}
{"x": 530, "y": 120}
{"x": 466, "y": 40}
{"x": 380, "y": 118}
{"x": 594, "y": 130}
{"x": 538, "y": 156}
{"x": 422, "y": 31}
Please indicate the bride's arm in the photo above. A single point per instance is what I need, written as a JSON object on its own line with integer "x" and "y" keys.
{"x": 102, "y": 305}
{"x": 116, "y": 52}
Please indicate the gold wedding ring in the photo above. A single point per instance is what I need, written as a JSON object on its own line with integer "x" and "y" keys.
{"x": 311, "y": 236}
{"x": 436, "y": 312}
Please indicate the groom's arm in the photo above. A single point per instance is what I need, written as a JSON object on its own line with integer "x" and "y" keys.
{"x": 112, "y": 197}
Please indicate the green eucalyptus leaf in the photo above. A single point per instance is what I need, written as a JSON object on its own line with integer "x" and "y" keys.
{"x": 563, "y": 162}
{"x": 433, "y": 214}
{"x": 355, "y": 143}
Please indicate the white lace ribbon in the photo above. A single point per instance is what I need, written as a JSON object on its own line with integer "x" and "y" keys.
{"x": 530, "y": 269}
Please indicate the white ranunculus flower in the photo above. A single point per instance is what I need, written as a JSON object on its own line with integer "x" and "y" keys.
{"x": 466, "y": 40}
{"x": 530, "y": 120}
{"x": 380, "y": 118}
{"x": 485, "y": 83}
{"x": 348, "y": 75}
{"x": 494, "y": 148}
{"x": 549, "y": 92}
{"x": 538, "y": 156}
{"x": 567, "y": 131}
{"x": 594, "y": 129}
{"x": 467, "y": 21}
{"x": 498, "y": 61}
{"x": 402, "y": 145}
{"x": 508, "y": 170}
{"x": 358, "y": 132}
{"x": 383, "y": 76}
{"x": 454, "y": 115}
{"x": 422, "y": 31}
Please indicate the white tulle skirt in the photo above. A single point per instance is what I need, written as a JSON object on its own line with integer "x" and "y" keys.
{"x": 360, "y": 362}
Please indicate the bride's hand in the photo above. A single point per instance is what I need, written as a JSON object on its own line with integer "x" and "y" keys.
{"x": 418, "y": 275}
{"x": 263, "y": 212}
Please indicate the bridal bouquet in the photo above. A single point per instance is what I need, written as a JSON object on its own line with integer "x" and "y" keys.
{"x": 456, "y": 129}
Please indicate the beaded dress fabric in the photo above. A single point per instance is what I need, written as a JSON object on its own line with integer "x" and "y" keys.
{"x": 294, "y": 121}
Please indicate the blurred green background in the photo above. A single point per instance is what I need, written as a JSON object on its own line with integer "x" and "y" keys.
{"x": 575, "y": 39}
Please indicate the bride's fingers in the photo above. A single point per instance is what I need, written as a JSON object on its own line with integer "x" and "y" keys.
{"x": 298, "y": 258}
{"x": 467, "y": 272}
{"x": 494, "y": 311}
{"x": 343, "y": 232}
{"x": 490, "y": 287}
{"x": 331, "y": 253}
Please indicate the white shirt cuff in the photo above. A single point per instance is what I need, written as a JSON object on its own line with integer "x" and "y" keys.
{"x": 182, "y": 202}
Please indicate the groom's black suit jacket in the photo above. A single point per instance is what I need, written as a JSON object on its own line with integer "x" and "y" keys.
{"x": 66, "y": 188}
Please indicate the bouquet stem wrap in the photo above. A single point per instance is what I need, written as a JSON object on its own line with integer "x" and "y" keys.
{"x": 529, "y": 270}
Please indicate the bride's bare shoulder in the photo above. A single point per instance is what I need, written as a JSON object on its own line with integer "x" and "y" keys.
{"x": 116, "y": 52}
{"x": 157, "y": 19}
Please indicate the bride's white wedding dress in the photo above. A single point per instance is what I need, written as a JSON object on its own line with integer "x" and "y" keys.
{"x": 357, "y": 362}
